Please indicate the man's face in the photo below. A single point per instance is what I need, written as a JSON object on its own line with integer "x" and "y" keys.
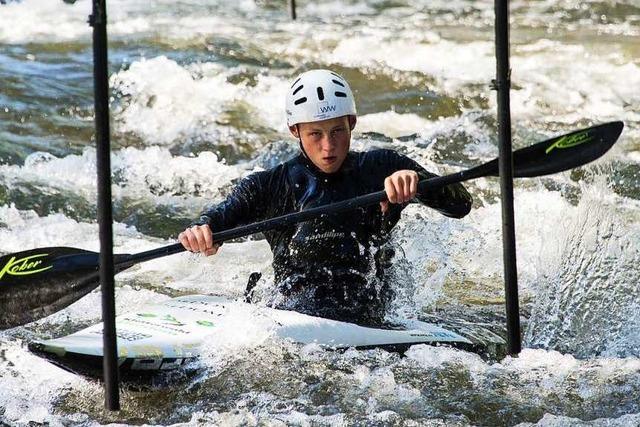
{"x": 326, "y": 142}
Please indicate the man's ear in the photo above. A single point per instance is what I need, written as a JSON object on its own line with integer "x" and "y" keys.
{"x": 294, "y": 131}
{"x": 352, "y": 122}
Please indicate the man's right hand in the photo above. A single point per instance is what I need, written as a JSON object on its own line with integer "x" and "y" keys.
{"x": 199, "y": 239}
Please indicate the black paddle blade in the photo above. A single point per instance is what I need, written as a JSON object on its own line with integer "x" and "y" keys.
{"x": 544, "y": 158}
{"x": 565, "y": 152}
{"x": 39, "y": 282}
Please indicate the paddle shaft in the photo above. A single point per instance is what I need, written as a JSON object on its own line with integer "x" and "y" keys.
{"x": 309, "y": 214}
{"x": 553, "y": 155}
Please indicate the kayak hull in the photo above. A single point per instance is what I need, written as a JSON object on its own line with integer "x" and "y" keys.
{"x": 163, "y": 337}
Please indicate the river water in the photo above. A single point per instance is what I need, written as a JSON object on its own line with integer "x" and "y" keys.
{"x": 197, "y": 103}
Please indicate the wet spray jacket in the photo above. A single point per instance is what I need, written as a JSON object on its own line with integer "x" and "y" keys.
{"x": 334, "y": 256}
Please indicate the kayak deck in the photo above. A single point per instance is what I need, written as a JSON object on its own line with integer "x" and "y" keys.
{"x": 163, "y": 337}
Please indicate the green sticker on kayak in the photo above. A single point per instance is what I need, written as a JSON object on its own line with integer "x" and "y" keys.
{"x": 166, "y": 319}
{"x": 172, "y": 320}
{"x": 569, "y": 141}
{"x": 204, "y": 323}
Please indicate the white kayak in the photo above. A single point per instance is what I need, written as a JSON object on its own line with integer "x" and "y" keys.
{"x": 165, "y": 336}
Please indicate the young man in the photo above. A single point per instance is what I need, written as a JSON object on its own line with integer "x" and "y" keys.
{"x": 333, "y": 266}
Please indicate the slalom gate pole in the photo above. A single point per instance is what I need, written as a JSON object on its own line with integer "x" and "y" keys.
{"x": 98, "y": 20}
{"x": 502, "y": 85}
{"x": 292, "y": 9}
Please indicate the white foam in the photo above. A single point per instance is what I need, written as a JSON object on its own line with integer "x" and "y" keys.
{"x": 536, "y": 214}
{"x": 30, "y": 385}
{"x": 586, "y": 273}
{"x": 468, "y": 123}
{"x": 236, "y": 336}
{"x": 566, "y": 80}
{"x": 151, "y": 173}
{"x": 332, "y": 9}
{"x": 154, "y": 172}
{"x": 447, "y": 251}
{"x": 391, "y": 124}
{"x": 25, "y": 230}
{"x": 554, "y": 17}
{"x": 39, "y": 21}
{"x": 535, "y": 374}
{"x": 42, "y": 21}
{"x": 223, "y": 274}
{"x": 554, "y": 77}
{"x": 166, "y": 102}
{"x": 465, "y": 63}
{"x": 36, "y": 20}
{"x": 430, "y": 357}
{"x": 552, "y": 420}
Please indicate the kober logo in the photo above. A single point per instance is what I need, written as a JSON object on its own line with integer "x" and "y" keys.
{"x": 24, "y": 266}
{"x": 569, "y": 141}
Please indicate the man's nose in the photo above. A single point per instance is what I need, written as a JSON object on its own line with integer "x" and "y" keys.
{"x": 328, "y": 142}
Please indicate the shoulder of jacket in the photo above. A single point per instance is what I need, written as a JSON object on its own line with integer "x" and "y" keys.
{"x": 266, "y": 173}
{"x": 379, "y": 155}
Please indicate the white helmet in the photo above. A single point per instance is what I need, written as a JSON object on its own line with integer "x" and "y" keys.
{"x": 319, "y": 95}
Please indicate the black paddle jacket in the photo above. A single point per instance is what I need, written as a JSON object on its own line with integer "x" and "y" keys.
{"x": 331, "y": 266}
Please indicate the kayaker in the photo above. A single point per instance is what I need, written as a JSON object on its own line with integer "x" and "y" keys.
{"x": 333, "y": 266}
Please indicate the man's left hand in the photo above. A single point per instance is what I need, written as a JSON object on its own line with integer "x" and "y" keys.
{"x": 401, "y": 187}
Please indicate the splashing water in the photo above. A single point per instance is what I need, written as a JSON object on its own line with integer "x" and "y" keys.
{"x": 587, "y": 294}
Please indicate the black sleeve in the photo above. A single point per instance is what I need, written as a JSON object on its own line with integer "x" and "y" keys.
{"x": 244, "y": 205}
{"x": 453, "y": 200}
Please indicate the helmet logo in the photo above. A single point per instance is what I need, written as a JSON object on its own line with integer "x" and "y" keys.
{"x": 324, "y": 108}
